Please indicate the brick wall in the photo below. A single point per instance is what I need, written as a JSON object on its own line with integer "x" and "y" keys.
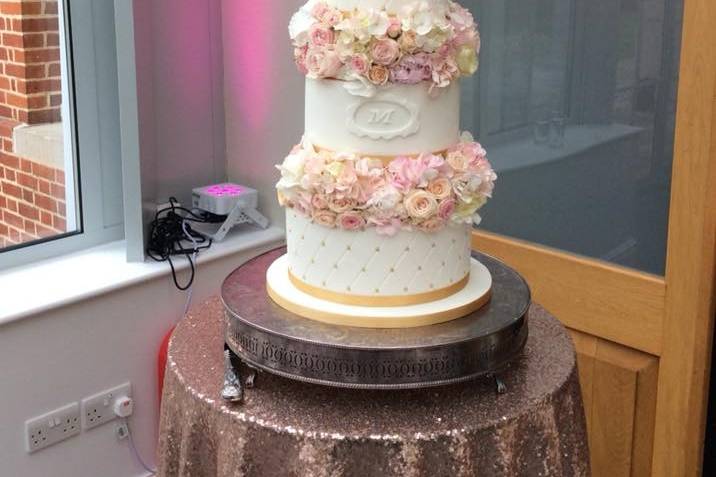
{"x": 32, "y": 194}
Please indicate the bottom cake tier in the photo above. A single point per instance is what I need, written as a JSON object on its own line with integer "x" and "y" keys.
{"x": 472, "y": 296}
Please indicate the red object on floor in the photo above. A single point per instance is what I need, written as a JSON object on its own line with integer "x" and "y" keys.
{"x": 162, "y": 362}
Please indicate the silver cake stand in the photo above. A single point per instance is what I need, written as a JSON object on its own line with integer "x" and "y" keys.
{"x": 266, "y": 337}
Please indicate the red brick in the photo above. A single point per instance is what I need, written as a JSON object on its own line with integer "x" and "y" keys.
{"x": 17, "y": 100}
{"x": 9, "y": 161}
{"x": 28, "y": 196}
{"x": 14, "y": 235}
{"x": 42, "y": 116}
{"x": 43, "y": 171}
{"x": 45, "y": 217}
{"x": 26, "y": 165}
{"x": 59, "y": 223}
{"x": 26, "y": 180}
{"x": 45, "y": 203}
{"x": 54, "y": 70}
{"x": 29, "y": 227}
{"x": 57, "y": 191}
{"x": 56, "y": 100}
{"x": 4, "y": 80}
{"x": 43, "y": 186}
{"x": 33, "y": 56}
{"x": 33, "y": 40}
{"x": 28, "y": 211}
{"x": 13, "y": 220}
{"x": 53, "y": 39}
{"x": 12, "y": 40}
{"x": 51, "y": 8}
{"x": 44, "y": 232}
{"x": 10, "y": 175}
{"x": 62, "y": 209}
{"x": 2, "y": 173}
{"x": 25, "y": 71}
{"x": 38, "y": 86}
{"x": 35, "y": 24}
{"x": 3, "y": 229}
{"x": 3, "y": 203}
{"x": 60, "y": 176}
{"x": 11, "y": 189}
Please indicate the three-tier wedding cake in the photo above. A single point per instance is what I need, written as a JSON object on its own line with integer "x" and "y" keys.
{"x": 382, "y": 192}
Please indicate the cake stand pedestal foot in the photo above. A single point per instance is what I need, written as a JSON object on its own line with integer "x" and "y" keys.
{"x": 500, "y": 386}
{"x": 232, "y": 391}
{"x": 251, "y": 377}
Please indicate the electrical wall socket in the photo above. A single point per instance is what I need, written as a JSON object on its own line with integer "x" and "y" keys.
{"x": 53, "y": 427}
{"x": 97, "y": 410}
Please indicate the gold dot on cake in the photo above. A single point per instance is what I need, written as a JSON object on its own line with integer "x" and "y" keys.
{"x": 348, "y": 247}
{"x": 377, "y": 290}
{"x": 323, "y": 243}
{"x": 363, "y": 270}
{"x": 407, "y": 249}
{"x": 443, "y": 264}
{"x": 323, "y": 283}
{"x": 392, "y": 270}
{"x": 313, "y": 261}
{"x": 335, "y": 266}
{"x": 420, "y": 268}
{"x": 377, "y": 249}
{"x": 405, "y": 289}
{"x": 302, "y": 237}
{"x": 434, "y": 245}
{"x": 348, "y": 288}
{"x": 432, "y": 286}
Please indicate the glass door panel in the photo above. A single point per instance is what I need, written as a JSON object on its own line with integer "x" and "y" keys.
{"x": 575, "y": 102}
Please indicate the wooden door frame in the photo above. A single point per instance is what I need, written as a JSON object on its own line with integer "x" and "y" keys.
{"x": 670, "y": 317}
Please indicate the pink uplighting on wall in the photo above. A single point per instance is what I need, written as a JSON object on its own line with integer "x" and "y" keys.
{"x": 248, "y": 27}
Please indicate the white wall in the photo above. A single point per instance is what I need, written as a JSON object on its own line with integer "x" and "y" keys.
{"x": 76, "y": 351}
{"x": 264, "y": 93}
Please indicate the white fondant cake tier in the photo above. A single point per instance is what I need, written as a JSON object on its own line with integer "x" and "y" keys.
{"x": 391, "y": 6}
{"x": 396, "y": 120}
{"x": 377, "y": 268}
{"x": 473, "y": 296}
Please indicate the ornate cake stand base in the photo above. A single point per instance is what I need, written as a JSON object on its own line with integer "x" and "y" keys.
{"x": 269, "y": 337}
{"x": 288, "y": 428}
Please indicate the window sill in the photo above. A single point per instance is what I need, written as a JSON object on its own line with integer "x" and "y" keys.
{"x": 99, "y": 270}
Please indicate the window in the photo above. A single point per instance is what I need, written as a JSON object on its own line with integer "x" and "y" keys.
{"x": 60, "y": 170}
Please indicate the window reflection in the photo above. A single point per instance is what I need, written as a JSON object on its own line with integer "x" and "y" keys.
{"x": 575, "y": 101}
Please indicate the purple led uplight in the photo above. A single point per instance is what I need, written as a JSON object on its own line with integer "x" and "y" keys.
{"x": 224, "y": 190}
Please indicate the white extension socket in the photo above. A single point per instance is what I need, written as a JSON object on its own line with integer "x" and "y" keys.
{"x": 99, "y": 409}
{"x": 53, "y": 427}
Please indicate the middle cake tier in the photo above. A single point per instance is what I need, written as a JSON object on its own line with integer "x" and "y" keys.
{"x": 368, "y": 269}
{"x": 389, "y": 120}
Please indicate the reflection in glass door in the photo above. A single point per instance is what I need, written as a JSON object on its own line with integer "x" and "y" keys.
{"x": 576, "y": 101}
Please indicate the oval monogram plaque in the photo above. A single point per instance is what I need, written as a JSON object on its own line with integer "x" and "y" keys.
{"x": 385, "y": 117}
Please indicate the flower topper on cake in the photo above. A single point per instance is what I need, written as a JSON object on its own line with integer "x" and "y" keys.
{"x": 425, "y": 41}
{"x": 351, "y": 192}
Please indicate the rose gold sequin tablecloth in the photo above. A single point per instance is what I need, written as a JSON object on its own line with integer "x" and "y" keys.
{"x": 287, "y": 428}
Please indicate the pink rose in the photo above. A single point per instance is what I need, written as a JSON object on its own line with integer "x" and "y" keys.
{"x": 318, "y": 201}
{"x": 340, "y": 205}
{"x": 320, "y": 9}
{"x": 432, "y": 225}
{"x": 388, "y": 227}
{"x": 395, "y": 29}
{"x": 446, "y": 208}
{"x": 421, "y": 205}
{"x": 359, "y": 64}
{"x": 385, "y": 51}
{"x": 327, "y": 14}
{"x": 440, "y": 188}
{"x": 321, "y": 35}
{"x": 325, "y": 218}
{"x": 299, "y": 55}
{"x": 351, "y": 221}
{"x": 379, "y": 74}
{"x": 407, "y": 173}
{"x": 323, "y": 63}
{"x": 412, "y": 69}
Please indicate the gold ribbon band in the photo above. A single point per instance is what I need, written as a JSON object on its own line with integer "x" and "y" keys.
{"x": 381, "y": 322}
{"x": 385, "y": 159}
{"x": 378, "y": 301}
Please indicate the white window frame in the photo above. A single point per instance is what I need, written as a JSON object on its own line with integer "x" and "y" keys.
{"x": 90, "y": 87}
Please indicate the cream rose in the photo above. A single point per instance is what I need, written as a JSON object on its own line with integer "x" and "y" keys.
{"x": 325, "y": 218}
{"x": 440, "y": 188}
{"x": 322, "y": 63}
{"x": 379, "y": 74}
{"x": 432, "y": 225}
{"x": 340, "y": 205}
{"x": 421, "y": 205}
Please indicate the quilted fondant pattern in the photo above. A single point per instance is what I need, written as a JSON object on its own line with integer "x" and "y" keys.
{"x": 365, "y": 263}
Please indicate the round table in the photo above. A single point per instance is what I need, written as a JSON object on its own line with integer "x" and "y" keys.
{"x": 294, "y": 429}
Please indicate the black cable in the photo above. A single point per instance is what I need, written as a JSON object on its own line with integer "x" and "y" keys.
{"x": 167, "y": 236}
